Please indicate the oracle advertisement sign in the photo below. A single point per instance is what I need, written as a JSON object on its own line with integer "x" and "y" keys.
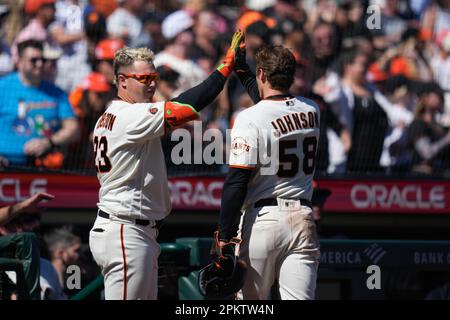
{"x": 388, "y": 196}
{"x": 204, "y": 193}
{"x": 70, "y": 191}
{"x": 196, "y": 193}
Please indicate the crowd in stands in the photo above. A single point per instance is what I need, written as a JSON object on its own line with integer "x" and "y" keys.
{"x": 379, "y": 70}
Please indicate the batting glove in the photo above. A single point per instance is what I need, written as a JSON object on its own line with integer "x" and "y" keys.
{"x": 228, "y": 63}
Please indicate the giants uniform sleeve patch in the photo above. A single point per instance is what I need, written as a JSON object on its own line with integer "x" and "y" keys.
{"x": 239, "y": 145}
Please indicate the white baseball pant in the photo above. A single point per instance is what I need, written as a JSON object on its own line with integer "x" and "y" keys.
{"x": 279, "y": 243}
{"x": 127, "y": 254}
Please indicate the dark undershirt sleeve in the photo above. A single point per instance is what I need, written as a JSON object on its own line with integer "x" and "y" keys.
{"x": 248, "y": 80}
{"x": 233, "y": 196}
{"x": 204, "y": 93}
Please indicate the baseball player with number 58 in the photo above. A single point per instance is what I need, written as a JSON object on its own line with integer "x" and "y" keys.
{"x": 131, "y": 170}
{"x": 277, "y": 232}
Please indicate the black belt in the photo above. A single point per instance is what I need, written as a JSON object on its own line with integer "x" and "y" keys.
{"x": 274, "y": 202}
{"x": 141, "y": 222}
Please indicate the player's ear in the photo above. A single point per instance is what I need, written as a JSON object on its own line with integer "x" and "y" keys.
{"x": 262, "y": 75}
{"x": 121, "y": 81}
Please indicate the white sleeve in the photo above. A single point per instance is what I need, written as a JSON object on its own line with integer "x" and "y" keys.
{"x": 244, "y": 144}
{"x": 145, "y": 122}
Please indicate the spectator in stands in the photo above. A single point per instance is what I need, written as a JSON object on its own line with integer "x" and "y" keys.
{"x": 436, "y": 18}
{"x": 295, "y": 37}
{"x": 176, "y": 28}
{"x": 392, "y": 24}
{"x": 206, "y": 37}
{"x": 104, "y": 57}
{"x": 399, "y": 91}
{"x": 95, "y": 31}
{"x": 43, "y": 14}
{"x": 67, "y": 32}
{"x": 51, "y": 56}
{"x": 440, "y": 62}
{"x": 13, "y": 21}
{"x": 427, "y": 139}
{"x": 63, "y": 246}
{"x": 36, "y": 116}
{"x": 360, "y": 107}
{"x": 89, "y": 101}
{"x": 152, "y": 25}
{"x": 324, "y": 45}
{"x": 124, "y": 23}
{"x": 354, "y": 25}
{"x": 407, "y": 58}
{"x": 302, "y": 86}
{"x": 321, "y": 11}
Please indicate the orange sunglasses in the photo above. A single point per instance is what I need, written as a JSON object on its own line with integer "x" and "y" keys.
{"x": 143, "y": 78}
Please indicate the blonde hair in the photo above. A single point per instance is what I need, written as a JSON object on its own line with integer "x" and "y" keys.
{"x": 127, "y": 56}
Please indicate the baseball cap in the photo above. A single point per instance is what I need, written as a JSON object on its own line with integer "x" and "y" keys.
{"x": 251, "y": 17}
{"x": 96, "y": 82}
{"x": 32, "y": 6}
{"x": 175, "y": 23}
{"x": 106, "y": 48}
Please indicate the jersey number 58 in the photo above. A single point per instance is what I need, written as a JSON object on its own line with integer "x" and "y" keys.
{"x": 291, "y": 160}
{"x": 102, "y": 162}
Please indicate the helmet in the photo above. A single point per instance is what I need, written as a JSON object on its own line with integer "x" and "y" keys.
{"x": 214, "y": 285}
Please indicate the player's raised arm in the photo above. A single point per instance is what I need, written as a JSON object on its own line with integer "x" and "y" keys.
{"x": 245, "y": 75}
{"x": 186, "y": 106}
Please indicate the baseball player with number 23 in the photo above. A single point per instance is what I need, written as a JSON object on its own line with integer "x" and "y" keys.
{"x": 277, "y": 234}
{"x": 131, "y": 170}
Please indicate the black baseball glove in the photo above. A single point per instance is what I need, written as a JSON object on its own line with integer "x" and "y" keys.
{"x": 225, "y": 276}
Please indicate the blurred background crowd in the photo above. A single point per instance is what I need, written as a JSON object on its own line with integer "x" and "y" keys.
{"x": 379, "y": 70}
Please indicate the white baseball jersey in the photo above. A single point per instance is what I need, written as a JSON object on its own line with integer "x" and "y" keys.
{"x": 289, "y": 126}
{"x": 130, "y": 162}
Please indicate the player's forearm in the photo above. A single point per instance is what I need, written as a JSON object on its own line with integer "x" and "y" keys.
{"x": 248, "y": 80}
{"x": 233, "y": 197}
{"x": 204, "y": 93}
